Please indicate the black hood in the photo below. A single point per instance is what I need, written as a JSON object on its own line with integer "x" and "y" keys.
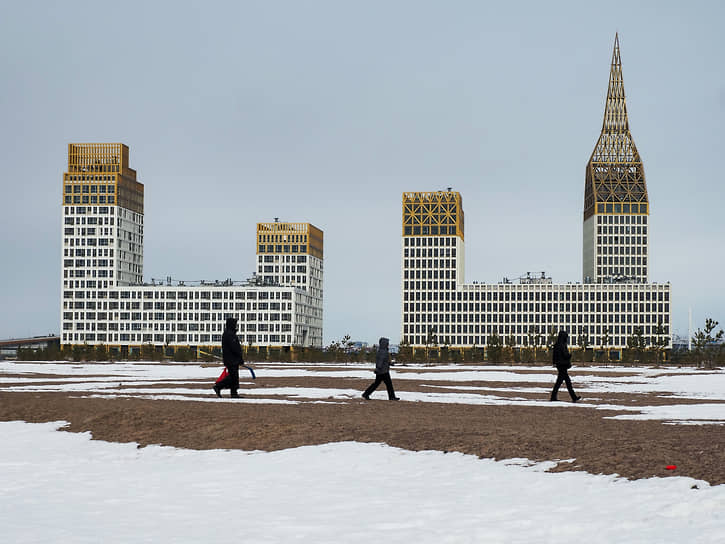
{"x": 383, "y": 343}
{"x": 231, "y": 324}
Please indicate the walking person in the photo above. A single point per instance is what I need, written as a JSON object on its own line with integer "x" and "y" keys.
{"x": 382, "y": 371}
{"x": 232, "y": 357}
{"x": 562, "y": 361}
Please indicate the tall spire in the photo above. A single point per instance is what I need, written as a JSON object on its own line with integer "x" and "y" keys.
{"x": 615, "y": 112}
{"x": 615, "y": 175}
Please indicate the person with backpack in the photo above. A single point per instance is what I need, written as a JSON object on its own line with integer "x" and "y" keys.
{"x": 232, "y": 356}
{"x": 562, "y": 362}
{"x": 382, "y": 371}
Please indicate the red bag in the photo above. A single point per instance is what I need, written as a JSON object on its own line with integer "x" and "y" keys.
{"x": 223, "y": 375}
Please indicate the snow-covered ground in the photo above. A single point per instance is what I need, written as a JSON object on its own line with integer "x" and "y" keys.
{"x": 63, "y": 487}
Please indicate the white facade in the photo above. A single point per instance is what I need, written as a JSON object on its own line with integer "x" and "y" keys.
{"x": 104, "y": 300}
{"x": 436, "y": 300}
{"x": 615, "y": 248}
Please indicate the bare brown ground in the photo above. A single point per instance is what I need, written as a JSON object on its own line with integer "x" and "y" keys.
{"x": 632, "y": 449}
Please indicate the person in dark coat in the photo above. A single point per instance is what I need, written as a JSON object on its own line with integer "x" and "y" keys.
{"x": 562, "y": 361}
{"x": 382, "y": 371}
{"x": 232, "y": 356}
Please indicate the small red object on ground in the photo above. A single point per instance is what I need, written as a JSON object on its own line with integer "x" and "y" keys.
{"x": 671, "y": 467}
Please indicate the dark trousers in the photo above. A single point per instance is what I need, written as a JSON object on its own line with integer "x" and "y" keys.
{"x": 381, "y": 378}
{"x": 231, "y": 381}
{"x": 563, "y": 377}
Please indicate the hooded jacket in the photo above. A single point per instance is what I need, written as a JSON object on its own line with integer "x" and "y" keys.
{"x": 382, "y": 357}
{"x": 561, "y": 356}
{"x": 231, "y": 348}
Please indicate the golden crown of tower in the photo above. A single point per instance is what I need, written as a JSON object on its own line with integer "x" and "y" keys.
{"x": 615, "y": 181}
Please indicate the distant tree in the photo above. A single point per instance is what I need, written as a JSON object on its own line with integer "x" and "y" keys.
{"x": 182, "y": 353}
{"x": 606, "y": 338}
{"x": 148, "y": 352}
{"x": 52, "y": 352}
{"x": 444, "y": 353}
{"x": 551, "y": 337}
{"x": 25, "y": 354}
{"x": 101, "y": 353}
{"x": 636, "y": 344}
{"x": 606, "y": 342}
{"x": 509, "y": 352}
{"x": 405, "y": 352}
{"x": 707, "y": 345}
{"x": 583, "y": 353}
{"x": 77, "y": 353}
{"x": 659, "y": 341}
{"x": 494, "y": 349}
{"x": 338, "y": 349}
{"x": 534, "y": 339}
{"x": 430, "y": 341}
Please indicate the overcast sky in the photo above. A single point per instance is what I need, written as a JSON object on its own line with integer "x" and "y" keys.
{"x": 326, "y": 111}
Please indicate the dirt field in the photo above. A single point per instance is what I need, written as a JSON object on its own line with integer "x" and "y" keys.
{"x": 582, "y": 439}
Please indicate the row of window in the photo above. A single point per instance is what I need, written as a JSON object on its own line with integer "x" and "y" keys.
{"x": 83, "y": 210}
{"x": 617, "y": 250}
{"x": 288, "y": 269}
{"x": 523, "y": 307}
{"x": 622, "y": 261}
{"x": 93, "y": 178}
{"x": 425, "y": 230}
{"x": 539, "y": 318}
{"x": 626, "y": 271}
{"x": 284, "y": 280}
{"x": 90, "y": 189}
{"x": 429, "y": 263}
{"x": 434, "y": 274}
{"x": 90, "y": 231}
{"x": 430, "y": 252}
{"x": 181, "y": 295}
{"x": 88, "y": 241}
{"x": 67, "y": 263}
{"x": 72, "y": 220}
{"x": 620, "y": 240}
{"x": 283, "y": 258}
{"x": 263, "y": 339}
{"x": 621, "y": 230}
{"x": 167, "y": 306}
{"x": 531, "y": 334}
{"x": 481, "y": 340}
{"x": 87, "y": 253}
{"x": 617, "y": 207}
{"x": 632, "y": 293}
{"x": 282, "y": 248}
{"x": 429, "y": 242}
{"x": 146, "y": 317}
{"x": 282, "y": 238}
{"x": 89, "y": 199}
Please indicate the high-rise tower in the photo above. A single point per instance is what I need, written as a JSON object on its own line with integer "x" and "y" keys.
{"x": 102, "y": 217}
{"x": 290, "y": 254}
{"x": 433, "y": 264}
{"x": 616, "y": 207}
{"x": 102, "y": 232}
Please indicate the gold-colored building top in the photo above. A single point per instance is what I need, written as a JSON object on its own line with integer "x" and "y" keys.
{"x": 99, "y": 174}
{"x": 281, "y": 238}
{"x": 437, "y": 213}
{"x": 615, "y": 182}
